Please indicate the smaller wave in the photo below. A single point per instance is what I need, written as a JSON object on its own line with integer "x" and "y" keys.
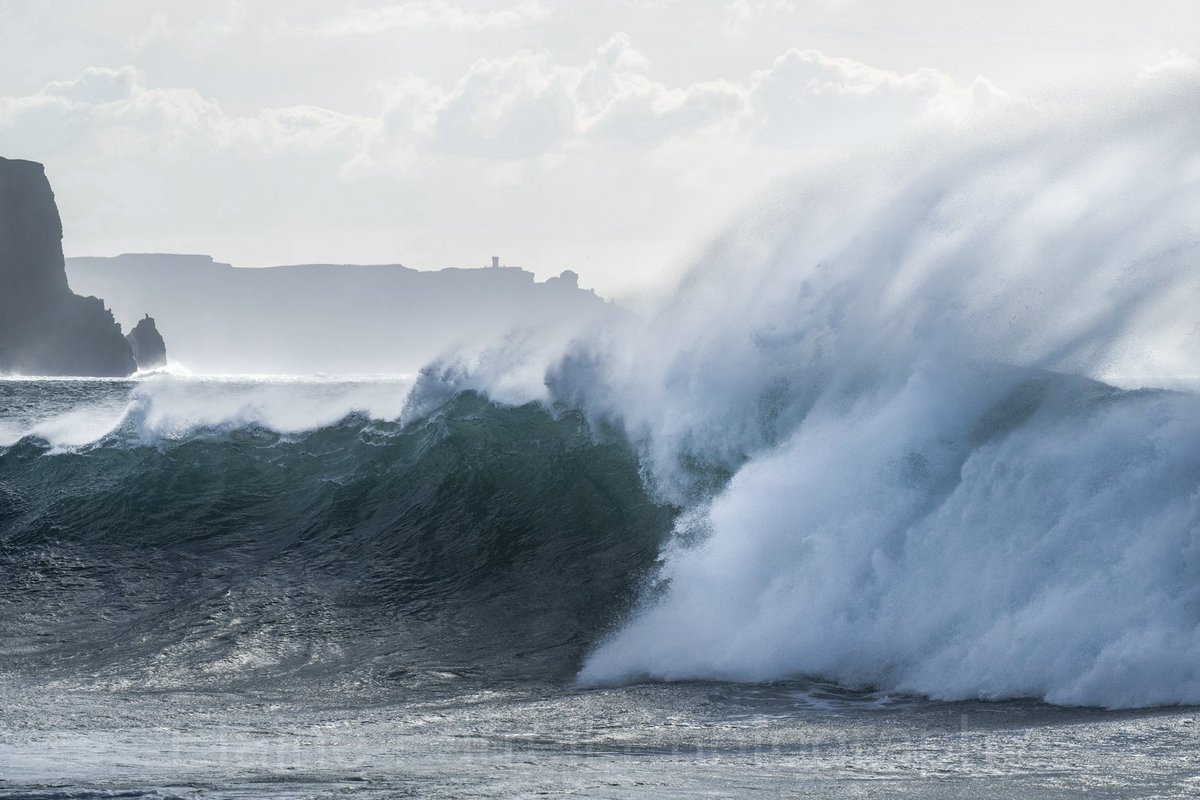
{"x": 169, "y": 406}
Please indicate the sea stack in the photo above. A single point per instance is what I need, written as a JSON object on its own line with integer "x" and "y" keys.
{"x": 149, "y": 349}
{"x": 45, "y": 328}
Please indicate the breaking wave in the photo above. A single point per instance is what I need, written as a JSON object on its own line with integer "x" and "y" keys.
{"x": 925, "y": 423}
{"x": 888, "y": 402}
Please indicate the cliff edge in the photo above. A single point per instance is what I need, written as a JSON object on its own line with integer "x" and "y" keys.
{"x": 333, "y": 319}
{"x": 45, "y": 328}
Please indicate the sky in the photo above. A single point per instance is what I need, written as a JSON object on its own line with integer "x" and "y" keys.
{"x": 606, "y": 136}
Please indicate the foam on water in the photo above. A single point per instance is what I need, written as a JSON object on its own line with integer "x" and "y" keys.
{"x": 173, "y": 408}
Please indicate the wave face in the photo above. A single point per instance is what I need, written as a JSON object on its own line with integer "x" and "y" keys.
{"x": 226, "y": 533}
{"x": 886, "y": 401}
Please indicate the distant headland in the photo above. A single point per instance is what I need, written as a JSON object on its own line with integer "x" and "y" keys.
{"x": 336, "y": 319}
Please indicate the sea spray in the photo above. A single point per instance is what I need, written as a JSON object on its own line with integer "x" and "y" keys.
{"x": 165, "y": 407}
{"x": 887, "y": 398}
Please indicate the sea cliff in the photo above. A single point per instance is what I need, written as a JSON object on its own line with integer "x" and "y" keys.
{"x": 45, "y": 328}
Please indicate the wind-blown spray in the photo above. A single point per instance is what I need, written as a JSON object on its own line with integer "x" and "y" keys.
{"x": 899, "y": 378}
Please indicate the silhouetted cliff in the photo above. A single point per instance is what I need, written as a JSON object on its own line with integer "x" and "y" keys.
{"x": 329, "y": 318}
{"x": 46, "y": 329}
{"x": 149, "y": 349}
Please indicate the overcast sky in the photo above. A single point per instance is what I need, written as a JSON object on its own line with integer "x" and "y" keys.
{"x": 606, "y": 136}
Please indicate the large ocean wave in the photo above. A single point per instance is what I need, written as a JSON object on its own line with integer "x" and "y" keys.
{"x": 888, "y": 401}
{"x": 923, "y": 423}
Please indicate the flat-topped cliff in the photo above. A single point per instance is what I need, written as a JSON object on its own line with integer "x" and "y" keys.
{"x": 45, "y": 328}
{"x": 337, "y": 319}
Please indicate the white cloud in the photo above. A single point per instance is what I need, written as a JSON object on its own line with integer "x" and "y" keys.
{"x": 807, "y": 97}
{"x": 431, "y": 15}
{"x": 297, "y": 129}
{"x": 526, "y": 105}
{"x": 619, "y": 103}
{"x": 511, "y": 107}
{"x": 96, "y": 85}
{"x": 112, "y": 111}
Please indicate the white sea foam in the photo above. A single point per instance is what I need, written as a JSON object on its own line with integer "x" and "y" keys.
{"x": 922, "y": 499}
{"x": 174, "y": 405}
{"x": 171, "y": 408}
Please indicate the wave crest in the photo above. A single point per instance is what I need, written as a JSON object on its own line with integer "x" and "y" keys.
{"x": 863, "y": 394}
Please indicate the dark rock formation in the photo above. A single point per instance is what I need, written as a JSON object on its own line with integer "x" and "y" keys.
{"x": 46, "y": 329}
{"x": 149, "y": 349}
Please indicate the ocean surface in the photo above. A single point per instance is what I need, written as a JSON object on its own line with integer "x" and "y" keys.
{"x": 295, "y": 588}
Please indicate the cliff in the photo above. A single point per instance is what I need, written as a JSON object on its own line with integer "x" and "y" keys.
{"x": 149, "y": 349}
{"x": 333, "y": 319}
{"x": 46, "y": 329}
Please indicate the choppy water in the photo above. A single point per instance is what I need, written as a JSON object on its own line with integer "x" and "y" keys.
{"x": 689, "y": 740}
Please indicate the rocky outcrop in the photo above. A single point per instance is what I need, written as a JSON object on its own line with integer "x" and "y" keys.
{"x": 568, "y": 280}
{"x": 149, "y": 349}
{"x": 46, "y": 329}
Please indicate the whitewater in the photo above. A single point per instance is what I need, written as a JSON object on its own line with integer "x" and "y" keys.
{"x": 900, "y": 485}
{"x": 889, "y": 403}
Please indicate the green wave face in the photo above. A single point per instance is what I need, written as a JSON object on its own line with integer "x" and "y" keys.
{"x": 481, "y": 539}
